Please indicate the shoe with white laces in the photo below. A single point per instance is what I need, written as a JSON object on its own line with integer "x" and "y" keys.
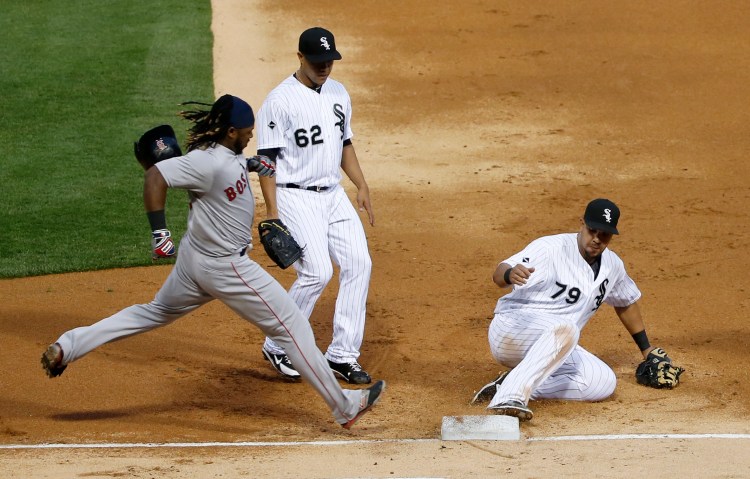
{"x": 488, "y": 391}
{"x": 281, "y": 364}
{"x": 370, "y": 397}
{"x": 351, "y": 372}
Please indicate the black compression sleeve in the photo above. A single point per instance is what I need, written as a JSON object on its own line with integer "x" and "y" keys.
{"x": 157, "y": 220}
{"x": 272, "y": 153}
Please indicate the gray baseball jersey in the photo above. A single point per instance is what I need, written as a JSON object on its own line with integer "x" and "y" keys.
{"x": 212, "y": 264}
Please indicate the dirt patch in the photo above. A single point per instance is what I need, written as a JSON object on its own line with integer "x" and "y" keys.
{"x": 479, "y": 127}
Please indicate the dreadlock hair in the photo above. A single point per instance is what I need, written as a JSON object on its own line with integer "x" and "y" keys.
{"x": 209, "y": 126}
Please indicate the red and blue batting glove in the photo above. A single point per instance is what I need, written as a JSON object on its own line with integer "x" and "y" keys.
{"x": 263, "y": 165}
{"x": 162, "y": 245}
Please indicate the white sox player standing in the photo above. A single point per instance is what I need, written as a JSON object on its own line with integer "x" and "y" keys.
{"x": 559, "y": 282}
{"x": 212, "y": 261}
{"x": 305, "y": 125}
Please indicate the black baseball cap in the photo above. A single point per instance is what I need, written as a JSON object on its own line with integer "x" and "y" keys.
{"x": 318, "y": 45}
{"x": 603, "y": 215}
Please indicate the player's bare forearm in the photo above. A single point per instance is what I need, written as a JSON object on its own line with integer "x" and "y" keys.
{"x": 154, "y": 190}
{"x": 632, "y": 319}
{"x": 350, "y": 165}
{"x": 268, "y": 188}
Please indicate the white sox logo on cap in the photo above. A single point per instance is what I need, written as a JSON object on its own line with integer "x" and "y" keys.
{"x": 324, "y": 43}
{"x": 602, "y": 208}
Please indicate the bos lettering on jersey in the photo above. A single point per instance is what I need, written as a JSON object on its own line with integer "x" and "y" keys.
{"x": 239, "y": 187}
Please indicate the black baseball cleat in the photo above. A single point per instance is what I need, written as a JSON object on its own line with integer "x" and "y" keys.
{"x": 370, "y": 397}
{"x": 488, "y": 391}
{"x": 351, "y": 372}
{"x": 281, "y": 364}
{"x": 52, "y": 361}
{"x": 515, "y": 409}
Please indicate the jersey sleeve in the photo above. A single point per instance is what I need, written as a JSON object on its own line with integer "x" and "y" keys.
{"x": 348, "y": 133}
{"x": 534, "y": 255}
{"x": 193, "y": 171}
{"x": 271, "y": 125}
{"x": 624, "y": 292}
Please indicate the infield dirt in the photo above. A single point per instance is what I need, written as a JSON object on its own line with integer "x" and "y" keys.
{"x": 479, "y": 126}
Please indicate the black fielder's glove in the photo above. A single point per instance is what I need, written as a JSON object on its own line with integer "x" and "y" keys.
{"x": 279, "y": 243}
{"x": 657, "y": 371}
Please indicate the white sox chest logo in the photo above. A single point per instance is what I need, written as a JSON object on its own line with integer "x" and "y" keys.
{"x": 602, "y": 292}
{"x": 338, "y": 110}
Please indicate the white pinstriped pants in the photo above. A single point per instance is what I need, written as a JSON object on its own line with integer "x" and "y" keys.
{"x": 328, "y": 227}
{"x": 546, "y": 360}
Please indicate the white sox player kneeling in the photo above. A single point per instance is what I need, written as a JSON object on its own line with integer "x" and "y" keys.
{"x": 558, "y": 283}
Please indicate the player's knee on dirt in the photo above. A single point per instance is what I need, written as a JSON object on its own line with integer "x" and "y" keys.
{"x": 600, "y": 385}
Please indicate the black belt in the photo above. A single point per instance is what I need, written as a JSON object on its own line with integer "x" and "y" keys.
{"x": 308, "y": 188}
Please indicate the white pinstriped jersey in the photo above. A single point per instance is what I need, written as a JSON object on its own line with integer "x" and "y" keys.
{"x": 309, "y": 127}
{"x": 563, "y": 283}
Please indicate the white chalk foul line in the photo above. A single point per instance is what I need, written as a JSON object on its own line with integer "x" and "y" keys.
{"x": 150, "y": 445}
{"x": 618, "y": 437}
{"x": 153, "y": 445}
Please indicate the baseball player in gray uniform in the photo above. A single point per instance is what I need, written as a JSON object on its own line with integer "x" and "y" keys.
{"x": 305, "y": 126}
{"x": 559, "y": 282}
{"x": 213, "y": 261}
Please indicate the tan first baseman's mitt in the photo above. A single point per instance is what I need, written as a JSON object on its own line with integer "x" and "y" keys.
{"x": 657, "y": 371}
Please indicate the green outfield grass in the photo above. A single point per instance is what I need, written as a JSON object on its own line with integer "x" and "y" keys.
{"x": 80, "y": 82}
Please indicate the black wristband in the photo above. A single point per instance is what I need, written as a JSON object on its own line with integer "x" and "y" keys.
{"x": 506, "y": 275}
{"x": 641, "y": 340}
{"x": 157, "y": 220}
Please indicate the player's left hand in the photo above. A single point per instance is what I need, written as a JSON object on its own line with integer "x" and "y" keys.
{"x": 263, "y": 165}
{"x": 363, "y": 201}
{"x": 162, "y": 245}
{"x": 657, "y": 371}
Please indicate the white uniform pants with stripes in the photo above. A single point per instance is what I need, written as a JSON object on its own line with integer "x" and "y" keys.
{"x": 244, "y": 287}
{"x": 328, "y": 227}
{"x": 546, "y": 360}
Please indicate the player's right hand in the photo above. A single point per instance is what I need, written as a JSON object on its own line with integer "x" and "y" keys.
{"x": 261, "y": 164}
{"x": 162, "y": 245}
{"x": 521, "y": 274}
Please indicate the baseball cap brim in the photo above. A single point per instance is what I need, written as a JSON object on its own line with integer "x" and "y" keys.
{"x": 602, "y": 227}
{"x": 323, "y": 57}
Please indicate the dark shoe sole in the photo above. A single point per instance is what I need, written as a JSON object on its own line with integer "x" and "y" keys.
{"x": 51, "y": 361}
{"x": 487, "y": 391}
{"x": 522, "y": 413}
{"x": 376, "y": 392}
